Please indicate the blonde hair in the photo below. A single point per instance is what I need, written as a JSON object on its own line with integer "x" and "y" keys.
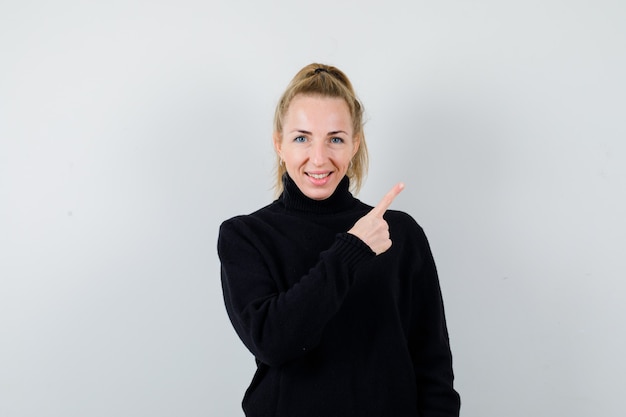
{"x": 326, "y": 81}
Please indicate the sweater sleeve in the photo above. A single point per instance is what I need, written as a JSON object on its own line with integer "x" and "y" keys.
{"x": 278, "y": 325}
{"x": 430, "y": 346}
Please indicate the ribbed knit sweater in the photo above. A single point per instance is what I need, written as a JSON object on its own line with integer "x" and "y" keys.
{"x": 335, "y": 329}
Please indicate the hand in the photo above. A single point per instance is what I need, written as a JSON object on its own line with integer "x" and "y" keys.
{"x": 372, "y": 228}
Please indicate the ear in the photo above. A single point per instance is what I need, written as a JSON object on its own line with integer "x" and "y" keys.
{"x": 278, "y": 142}
{"x": 357, "y": 143}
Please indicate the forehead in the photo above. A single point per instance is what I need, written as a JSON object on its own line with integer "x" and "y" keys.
{"x": 314, "y": 110}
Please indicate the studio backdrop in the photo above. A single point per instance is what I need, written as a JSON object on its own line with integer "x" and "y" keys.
{"x": 129, "y": 130}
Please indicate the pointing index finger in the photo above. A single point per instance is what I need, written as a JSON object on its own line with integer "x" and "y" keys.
{"x": 386, "y": 201}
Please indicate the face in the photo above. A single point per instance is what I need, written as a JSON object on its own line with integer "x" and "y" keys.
{"x": 317, "y": 144}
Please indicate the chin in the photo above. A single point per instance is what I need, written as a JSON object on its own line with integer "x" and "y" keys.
{"x": 319, "y": 194}
{"x": 314, "y": 192}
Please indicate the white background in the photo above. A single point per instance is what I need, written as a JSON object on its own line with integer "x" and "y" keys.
{"x": 129, "y": 130}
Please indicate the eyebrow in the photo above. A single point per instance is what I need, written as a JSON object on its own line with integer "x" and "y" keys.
{"x": 306, "y": 132}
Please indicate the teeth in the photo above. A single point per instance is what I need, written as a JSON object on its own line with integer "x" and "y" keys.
{"x": 319, "y": 176}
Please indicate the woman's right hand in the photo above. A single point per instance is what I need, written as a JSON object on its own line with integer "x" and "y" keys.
{"x": 372, "y": 228}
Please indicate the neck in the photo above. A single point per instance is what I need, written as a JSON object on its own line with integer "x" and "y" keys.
{"x": 293, "y": 199}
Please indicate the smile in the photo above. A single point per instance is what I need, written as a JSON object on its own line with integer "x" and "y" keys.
{"x": 318, "y": 176}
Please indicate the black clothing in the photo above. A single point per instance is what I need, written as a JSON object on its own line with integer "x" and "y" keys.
{"x": 336, "y": 330}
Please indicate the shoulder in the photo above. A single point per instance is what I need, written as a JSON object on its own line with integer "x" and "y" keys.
{"x": 243, "y": 236}
{"x": 245, "y": 226}
{"x": 410, "y": 244}
{"x": 248, "y": 219}
{"x": 405, "y": 228}
{"x": 402, "y": 219}
{"x": 399, "y": 221}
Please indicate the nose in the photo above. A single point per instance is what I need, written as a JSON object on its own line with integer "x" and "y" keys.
{"x": 319, "y": 153}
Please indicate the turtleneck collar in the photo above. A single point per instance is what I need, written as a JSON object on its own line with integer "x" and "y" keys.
{"x": 293, "y": 199}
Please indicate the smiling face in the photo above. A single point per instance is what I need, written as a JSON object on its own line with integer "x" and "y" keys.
{"x": 317, "y": 144}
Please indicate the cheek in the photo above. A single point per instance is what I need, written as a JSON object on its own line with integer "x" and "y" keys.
{"x": 347, "y": 157}
{"x": 293, "y": 157}
{"x": 293, "y": 161}
{"x": 341, "y": 163}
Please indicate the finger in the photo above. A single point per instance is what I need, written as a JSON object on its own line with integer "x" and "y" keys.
{"x": 386, "y": 201}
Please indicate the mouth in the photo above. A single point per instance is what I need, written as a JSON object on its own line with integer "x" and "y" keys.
{"x": 319, "y": 179}
{"x": 318, "y": 176}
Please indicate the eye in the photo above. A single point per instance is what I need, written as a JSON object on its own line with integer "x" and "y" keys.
{"x": 300, "y": 139}
{"x": 336, "y": 140}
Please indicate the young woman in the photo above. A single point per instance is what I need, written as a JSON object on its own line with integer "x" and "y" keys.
{"x": 341, "y": 320}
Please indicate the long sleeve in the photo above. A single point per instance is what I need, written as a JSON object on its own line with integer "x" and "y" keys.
{"x": 430, "y": 342}
{"x": 336, "y": 330}
{"x": 279, "y": 317}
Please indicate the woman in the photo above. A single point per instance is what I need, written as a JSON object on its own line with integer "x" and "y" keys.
{"x": 341, "y": 321}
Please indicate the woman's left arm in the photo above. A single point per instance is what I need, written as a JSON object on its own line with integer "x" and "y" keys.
{"x": 429, "y": 341}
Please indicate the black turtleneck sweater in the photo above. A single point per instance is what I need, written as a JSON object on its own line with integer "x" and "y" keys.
{"x": 336, "y": 330}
